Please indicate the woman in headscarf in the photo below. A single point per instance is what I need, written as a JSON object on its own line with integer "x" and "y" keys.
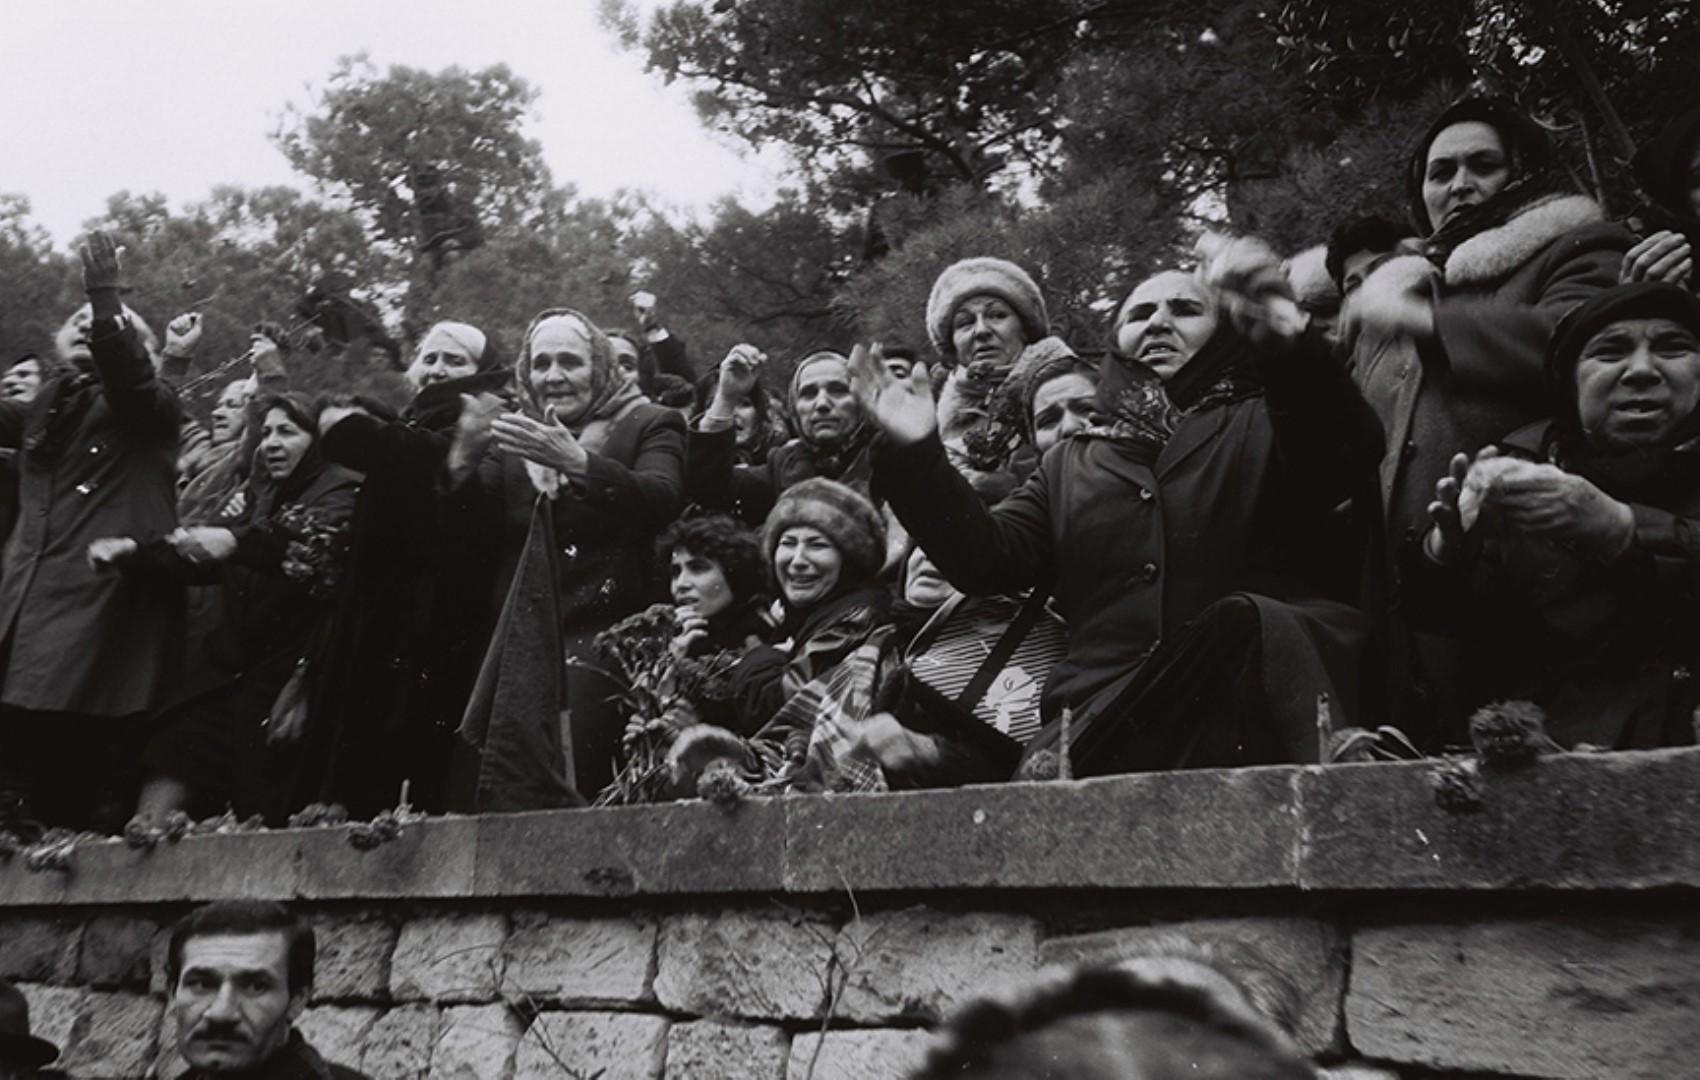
{"x": 391, "y": 679}
{"x": 1186, "y": 539}
{"x": 1450, "y": 345}
{"x": 1578, "y": 532}
{"x": 584, "y": 477}
{"x": 1668, "y": 170}
{"x": 280, "y": 572}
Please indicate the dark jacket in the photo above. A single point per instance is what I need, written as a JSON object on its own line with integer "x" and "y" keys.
{"x": 1239, "y": 500}
{"x": 97, "y": 459}
{"x": 391, "y": 681}
{"x": 296, "y": 1060}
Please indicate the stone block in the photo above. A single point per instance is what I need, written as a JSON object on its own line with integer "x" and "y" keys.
{"x": 430, "y": 858}
{"x": 476, "y": 1043}
{"x": 449, "y": 958}
{"x": 234, "y": 866}
{"x": 398, "y": 1044}
{"x": 753, "y": 965}
{"x": 608, "y": 1046}
{"x": 98, "y": 1034}
{"x": 1294, "y": 970}
{"x": 921, "y": 964}
{"x": 117, "y": 950}
{"x": 337, "y": 1032}
{"x": 353, "y": 958}
{"x": 168, "y": 1063}
{"x": 1626, "y": 820}
{"x": 708, "y": 1050}
{"x": 1141, "y": 831}
{"x": 37, "y": 949}
{"x": 689, "y": 847}
{"x": 1355, "y": 1072}
{"x": 857, "y": 1055}
{"x": 1605, "y": 997}
{"x": 580, "y": 961}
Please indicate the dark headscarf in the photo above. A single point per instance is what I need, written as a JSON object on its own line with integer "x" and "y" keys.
{"x": 1529, "y": 158}
{"x": 1641, "y": 300}
{"x": 1663, "y": 168}
{"x": 271, "y": 494}
{"x": 829, "y": 461}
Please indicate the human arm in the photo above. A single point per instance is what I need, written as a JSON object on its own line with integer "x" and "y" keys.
{"x": 1663, "y": 256}
{"x": 182, "y": 335}
{"x": 137, "y": 397}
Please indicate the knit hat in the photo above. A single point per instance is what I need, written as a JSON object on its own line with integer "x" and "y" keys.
{"x": 974, "y": 277}
{"x": 842, "y": 514}
{"x": 1641, "y": 300}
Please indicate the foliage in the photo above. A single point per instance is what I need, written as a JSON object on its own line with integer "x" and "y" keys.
{"x": 39, "y": 287}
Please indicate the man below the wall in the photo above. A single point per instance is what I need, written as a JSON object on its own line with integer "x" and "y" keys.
{"x": 22, "y": 1055}
{"x": 240, "y": 972}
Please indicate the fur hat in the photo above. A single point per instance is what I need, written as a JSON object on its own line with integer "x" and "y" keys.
{"x": 845, "y": 516}
{"x": 973, "y": 277}
{"x": 1640, "y": 300}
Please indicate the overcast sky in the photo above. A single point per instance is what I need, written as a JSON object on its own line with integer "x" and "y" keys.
{"x": 176, "y": 96}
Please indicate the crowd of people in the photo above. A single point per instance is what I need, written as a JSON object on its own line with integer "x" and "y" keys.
{"x": 1371, "y": 488}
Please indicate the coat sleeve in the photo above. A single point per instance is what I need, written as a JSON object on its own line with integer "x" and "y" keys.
{"x": 1498, "y": 341}
{"x": 713, "y": 481}
{"x": 377, "y": 447}
{"x": 649, "y": 491}
{"x": 12, "y": 417}
{"x": 982, "y": 552}
{"x": 138, "y": 398}
{"x": 263, "y": 546}
{"x": 1325, "y": 432}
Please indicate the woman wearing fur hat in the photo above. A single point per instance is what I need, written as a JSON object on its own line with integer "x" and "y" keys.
{"x": 586, "y": 475}
{"x": 391, "y": 681}
{"x": 1187, "y": 538}
{"x": 1579, "y": 533}
{"x": 1450, "y": 345}
{"x": 831, "y": 442}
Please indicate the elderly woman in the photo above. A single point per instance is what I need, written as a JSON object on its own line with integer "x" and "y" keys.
{"x": 1451, "y": 344}
{"x": 394, "y": 672}
{"x": 583, "y": 478}
{"x": 280, "y": 572}
{"x": 1668, "y": 170}
{"x": 1186, "y": 539}
{"x": 1579, "y": 532}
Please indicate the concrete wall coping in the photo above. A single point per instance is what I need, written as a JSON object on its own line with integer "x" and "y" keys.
{"x": 1579, "y": 822}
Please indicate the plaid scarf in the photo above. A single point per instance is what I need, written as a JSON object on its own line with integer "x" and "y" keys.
{"x": 809, "y": 745}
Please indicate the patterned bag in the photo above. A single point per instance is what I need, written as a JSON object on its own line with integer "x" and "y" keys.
{"x": 990, "y": 656}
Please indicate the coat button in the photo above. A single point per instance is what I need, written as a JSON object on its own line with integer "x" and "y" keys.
{"x": 1149, "y": 571}
{"x": 1145, "y": 494}
{"x": 1409, "y": 450}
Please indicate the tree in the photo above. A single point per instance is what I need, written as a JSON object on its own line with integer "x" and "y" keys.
{"x": 39, "y": 287}
{"x": 432, "y": 161}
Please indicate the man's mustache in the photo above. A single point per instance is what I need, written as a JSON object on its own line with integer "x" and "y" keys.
{"x": 218, "y": 1031}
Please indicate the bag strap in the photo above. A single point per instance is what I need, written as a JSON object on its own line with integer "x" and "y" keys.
{"x": 1008, "y": 641}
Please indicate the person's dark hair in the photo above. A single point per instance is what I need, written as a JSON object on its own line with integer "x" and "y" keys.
{"x": 974, "y": 1039}
{"x": 297, "y": 407}
{"x": 1372, "y": 233}
{"x": 276, "y": 334}
{"x": 246, "y": 917}
{"x": 673, "y": 391}
{"x": 722, "y": 540}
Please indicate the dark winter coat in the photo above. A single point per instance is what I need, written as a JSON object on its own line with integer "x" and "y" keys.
{"x": 1495, "y": 307}
{"x": 391, "y": 681}
{"x": 97, "y": 459}
{"x": 1239, "y": 500}
{"x": 296, "y": 1060}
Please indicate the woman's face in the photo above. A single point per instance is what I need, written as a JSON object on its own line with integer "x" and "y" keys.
{"x": 561, "y": 370}
{"x": 923, "y": 585}
{"x": 1638, "y": 382}
{"x": 744, "y": 422}
{"x": 985, "y": 328}
{"x": 699, "y": 582}
{"x": 807, "y": 565}
{"x": 230, "y": 414}
{"x": 283, "y": 443}
{"x": 1061, "y": 407}
{"x": 22, "y": 381}
{"x": 446, "y": 360}
{"x": 1165, "y": 321}
{"x": 1466, "y": 166}
{"x": 625, "y": 356}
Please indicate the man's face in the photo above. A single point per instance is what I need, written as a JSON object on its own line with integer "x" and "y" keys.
{"x": 825, "y": 405}
{"x": 232, "y": 1001}
{"x": 72, "y": 340}
{"x": 1637, "y": 381}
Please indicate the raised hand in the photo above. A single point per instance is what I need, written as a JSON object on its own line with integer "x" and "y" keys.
{"x": 902, "y": 407}
{"x": 102, "y": 262}
{"x": 1663, "y": 256}
{"x": 1246, "y": 274}
{"x": 472, "y": 434}
{"x": 548, "y": 442}
{"x": 1447, "y": 528}
{"x": 738, "y": 374}
{"x": 183, "y": 333}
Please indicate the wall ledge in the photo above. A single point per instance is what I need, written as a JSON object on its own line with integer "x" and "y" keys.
{"x": 1572, "y": 822}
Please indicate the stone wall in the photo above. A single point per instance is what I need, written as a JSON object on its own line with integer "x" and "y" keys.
{"x": 1549, "y": 930}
